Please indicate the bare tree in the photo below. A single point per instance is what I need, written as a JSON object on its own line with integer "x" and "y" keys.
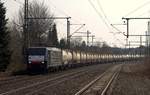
{"x": 37, "y": 32}
{"x": 76, "y": 42}
{"x": 36, "y": 27}
{"x": 16, "y": 48}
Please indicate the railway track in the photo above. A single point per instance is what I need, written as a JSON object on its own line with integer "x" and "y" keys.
{"x": 17, "y": 79}
{"x": 21, "y": 89}
{"x": 101, "y": 84}
{"x": 35, "y": 87}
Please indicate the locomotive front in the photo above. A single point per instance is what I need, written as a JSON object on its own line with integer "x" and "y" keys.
{"x": 36, "y": 59}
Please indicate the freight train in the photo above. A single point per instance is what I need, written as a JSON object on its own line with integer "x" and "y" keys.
{"x": 44, "y": 58}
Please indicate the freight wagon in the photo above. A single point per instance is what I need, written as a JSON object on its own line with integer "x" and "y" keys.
{"x": 44, "y": 58}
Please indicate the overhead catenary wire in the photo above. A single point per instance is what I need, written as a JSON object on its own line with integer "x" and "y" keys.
{"x": 100, "y": 15}
{"x": 54, "y": 6}
{"x": 133, "y": 11}
{"x": 63, "y": 12}
{"x": 101, "y": 8}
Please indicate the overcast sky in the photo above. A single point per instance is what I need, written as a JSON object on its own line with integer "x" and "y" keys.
{"x": 82, "y": 12}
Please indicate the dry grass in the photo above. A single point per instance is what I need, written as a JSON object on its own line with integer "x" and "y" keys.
{"x": 16, "y": 63}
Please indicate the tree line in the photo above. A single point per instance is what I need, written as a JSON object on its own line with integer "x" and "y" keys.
{"x": 41, "y": 32}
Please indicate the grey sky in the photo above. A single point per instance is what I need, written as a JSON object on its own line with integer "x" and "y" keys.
{"x": 82, "y": 12}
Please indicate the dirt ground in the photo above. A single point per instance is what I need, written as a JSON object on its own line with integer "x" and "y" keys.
{"x": 4, "y": 75}
{"x": 134, "y": 79}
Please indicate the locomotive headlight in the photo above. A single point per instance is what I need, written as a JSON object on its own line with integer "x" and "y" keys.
{"x": 42, "y": 62}
{"x": 29, "y": 62}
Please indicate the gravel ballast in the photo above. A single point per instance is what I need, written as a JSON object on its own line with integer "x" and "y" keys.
{"x": 132, "y": 80}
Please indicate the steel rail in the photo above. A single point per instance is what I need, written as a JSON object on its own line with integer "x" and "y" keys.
{"x": 42, "y": 82}
{"x": 38, "y": 83}
{"x": 90, "y": 84}
{"x": 80, "y": 92}
{"x": 57, "y": 82}
{"x": 110, "y": 82}
{"x": 16, "y": 79}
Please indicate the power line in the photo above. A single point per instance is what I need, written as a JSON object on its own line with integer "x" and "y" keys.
{"x": 101, "y": 8}
{"x": 62, "y": 11}
{"x": 99, "y": 14}
{"x": 133, "y": 11}
{"x": 102, "y": 19}
{"x": 58, "y": 9}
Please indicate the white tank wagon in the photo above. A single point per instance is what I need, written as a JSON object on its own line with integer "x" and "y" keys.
{"x": 83, "y": 57}
{"x": 78, "y": 56}
{"x": 89, "y": 58}
{"x": 66, "y": 57}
